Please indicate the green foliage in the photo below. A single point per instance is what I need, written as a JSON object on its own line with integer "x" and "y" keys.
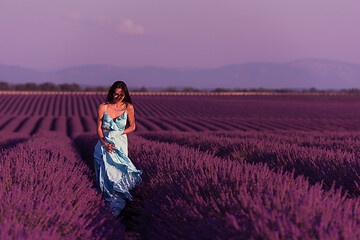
{"x": 96, "y": 89}
{"x": 312, "y": 89}
{"x": 26, "y": 87}
{"x": 222, "y": 90}
{"x": 142, "y": 89}
{"x": 4, "y": 86}
{"x": 241, "y": 90}
{"x": 73, "y": 87}
{"x": 48, "y": 86}
{"x": 191, "y": 89}
{"x": 69, "y": 87}
{"x": 285, "y": 90}
{"x": 351, "y": 91}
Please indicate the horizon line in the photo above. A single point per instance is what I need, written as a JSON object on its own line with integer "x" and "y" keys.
{"x": 57, "y": 69}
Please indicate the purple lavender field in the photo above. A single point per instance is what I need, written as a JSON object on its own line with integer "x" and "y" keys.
{"x": 215, "y": 167}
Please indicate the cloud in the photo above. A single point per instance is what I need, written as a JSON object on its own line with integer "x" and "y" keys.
{"x": 123, "y": 27}
{"x": 127, "y": 26}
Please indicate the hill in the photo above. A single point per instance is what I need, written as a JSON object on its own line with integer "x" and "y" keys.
{"x": 307, "y": 73}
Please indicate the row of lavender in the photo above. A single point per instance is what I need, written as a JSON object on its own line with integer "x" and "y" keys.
{"x": 208, "y": 193}
{"x": 76, "y": 125}
{"x": 277, "y": 107}
{"x": 189, "y": 193}
{"x": 47, "y": 192}
{"x": 76, "y": 114}
{"x": 328, "y": 157}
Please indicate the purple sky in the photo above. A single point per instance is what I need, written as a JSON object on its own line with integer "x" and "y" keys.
{"x": 49, "y": 35}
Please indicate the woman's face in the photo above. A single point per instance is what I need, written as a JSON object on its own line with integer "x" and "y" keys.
{"x": 119, "y": 95}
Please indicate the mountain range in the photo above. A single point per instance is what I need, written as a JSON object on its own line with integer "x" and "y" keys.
{"x": 305, "y": 73}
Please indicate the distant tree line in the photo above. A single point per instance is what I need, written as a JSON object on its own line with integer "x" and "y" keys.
{"x": 73, "y": 87}
{"x": 280, "y": 90}
{"x": 48, "y": 86}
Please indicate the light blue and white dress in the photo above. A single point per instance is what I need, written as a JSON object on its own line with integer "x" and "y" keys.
{"x": 115, "y": 173}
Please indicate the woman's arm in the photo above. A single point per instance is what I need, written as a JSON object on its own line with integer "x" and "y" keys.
{"x": 108, "y": 146}
{"x": 131, "y": 117}
{"x": 101, "y": 112}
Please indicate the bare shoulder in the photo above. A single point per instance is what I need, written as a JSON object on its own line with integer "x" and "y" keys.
{"x": 129, "y": 107}
{"x": 101, "y": 108}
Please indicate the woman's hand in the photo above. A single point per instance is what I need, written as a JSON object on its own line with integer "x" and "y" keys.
{"x": 109, "y": 147}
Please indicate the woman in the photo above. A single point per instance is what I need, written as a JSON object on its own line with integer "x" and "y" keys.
{"x": 115, "y": 173}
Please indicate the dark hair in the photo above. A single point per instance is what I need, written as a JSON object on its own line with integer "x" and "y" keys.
{"x": 122, "y": 85}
